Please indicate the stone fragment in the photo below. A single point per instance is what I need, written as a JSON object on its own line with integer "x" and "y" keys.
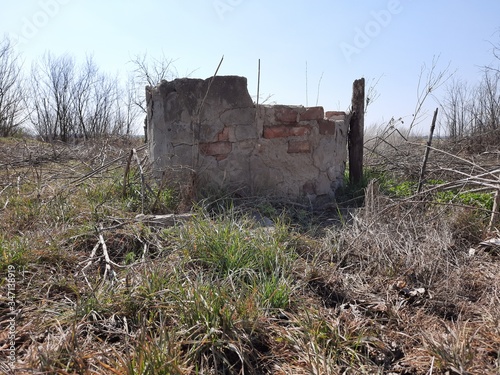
{"x": 244, "y": 132}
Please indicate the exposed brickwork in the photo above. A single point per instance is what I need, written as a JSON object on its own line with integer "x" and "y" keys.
{"x": 287, "y": 150}
{"x": 286, "y": 115}
{"x": 312, "y": 113}
{"x": 286, "y": 131}
{"x": 299, "y": 147}
{"x": 215, "y": 148}
{"x": 326, "y": 127}
{"x": 298, "y": 131}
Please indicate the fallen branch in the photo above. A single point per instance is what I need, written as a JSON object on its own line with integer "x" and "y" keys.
{"x": 106, "y": 257}
{"x": 169, "y": 220}
{"x": 108, "y": 270}
{"x": 89, "y": 263}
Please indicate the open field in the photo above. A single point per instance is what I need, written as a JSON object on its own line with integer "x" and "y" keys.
{"x": 96, "y": 279}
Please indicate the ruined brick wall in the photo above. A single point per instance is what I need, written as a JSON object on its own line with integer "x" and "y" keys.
{"x": 229, "y": 143}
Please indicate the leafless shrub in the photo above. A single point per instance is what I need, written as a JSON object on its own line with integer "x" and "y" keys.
{"x": 78, "y": 102}
{"x": 472, "y": 110}
{"x": 397, "y": 239}
{"x": 127, "y": 110}
{"x": 149, "y": 71}
{"x": 387, "y": 146}
{"x": 12, "y": 113}
{"x": 146, "y": 71}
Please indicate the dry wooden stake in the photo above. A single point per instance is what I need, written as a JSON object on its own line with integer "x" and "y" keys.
{"x": 427, "y": 150}
{"x": 142, "y": 178}
{"x": 125, "y": 176}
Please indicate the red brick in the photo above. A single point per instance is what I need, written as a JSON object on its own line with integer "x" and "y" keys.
{"x": 326, "y": 127}
{"x": 334, "y": 115}
{"x": 297, "y": 147}
{"x": 276, "y": 132}
{"x": 223, "y": 135}
{"x": 286, "y": 115}
{"x": 298, "y": 131}
{"x": 215, "y": 148}
{"x": 312, "y": 113}
{"x": 286, "y": 131}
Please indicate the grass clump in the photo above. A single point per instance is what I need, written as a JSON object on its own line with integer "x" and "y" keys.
{"x": 257, "y": 260}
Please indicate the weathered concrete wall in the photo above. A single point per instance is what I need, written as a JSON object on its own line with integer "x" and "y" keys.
{"x": 229, "y": 143}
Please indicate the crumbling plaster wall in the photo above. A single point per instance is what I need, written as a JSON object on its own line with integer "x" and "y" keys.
{"x": 212, "y": 127}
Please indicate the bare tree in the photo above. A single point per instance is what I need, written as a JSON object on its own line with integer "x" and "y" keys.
{"x": 152, "y": 71}
{"x": 51, "y": 102}
{"x": 489, "y": 101}
{"x": 495, "y": 51}
{"x": 82, "y": 92}
{"x": 474, "y": 110}
{"x": 457, "y": 108}
{"x": 101, "y": 114}
{"x": 471, "y": 111}
{"x": 12, "y": 110}
{"x": 71, "y": 101}
{"x": 126, "y": 109}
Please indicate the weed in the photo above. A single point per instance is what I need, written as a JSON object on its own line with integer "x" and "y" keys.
{"x": 155, "y": 353}
{"x": 479, "y": 200}
{"x": 398, "y": 189}
{"x": 14, "y": 251}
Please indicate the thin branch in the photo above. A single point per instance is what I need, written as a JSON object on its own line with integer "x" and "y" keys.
{"x": 208, "y": 89}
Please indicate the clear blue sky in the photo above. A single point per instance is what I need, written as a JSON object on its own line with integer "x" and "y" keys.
{"x": 385, "y": 40}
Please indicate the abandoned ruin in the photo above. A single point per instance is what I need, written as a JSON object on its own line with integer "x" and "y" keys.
{"x": 212, "y": 132}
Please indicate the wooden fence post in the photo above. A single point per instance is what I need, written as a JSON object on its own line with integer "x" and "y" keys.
{"x": 356, "y": 132}
{"x": 427, "y": 150}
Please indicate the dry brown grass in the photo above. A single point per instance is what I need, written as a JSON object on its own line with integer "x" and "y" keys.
{"x": 390, "y": 288}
